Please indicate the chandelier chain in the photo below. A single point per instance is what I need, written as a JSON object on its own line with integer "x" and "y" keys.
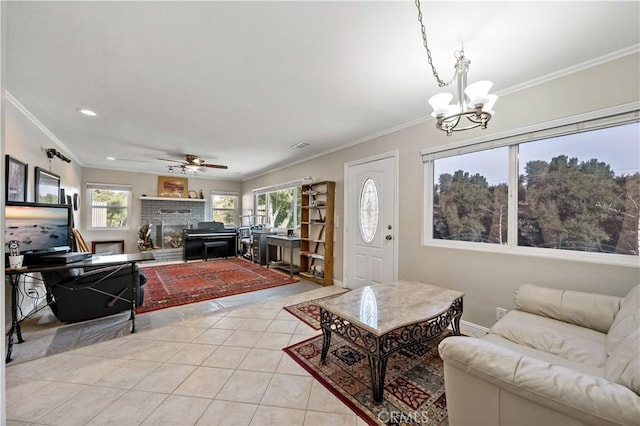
{"x": 441, "y": 83}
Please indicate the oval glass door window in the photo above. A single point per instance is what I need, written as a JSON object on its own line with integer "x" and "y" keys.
{"x": 368, "y": 210}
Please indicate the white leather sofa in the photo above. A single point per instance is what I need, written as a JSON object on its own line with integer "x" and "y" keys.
{"x": 560, "y": 358}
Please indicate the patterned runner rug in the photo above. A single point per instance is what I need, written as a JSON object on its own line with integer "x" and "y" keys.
{"x": 414, "y": 382}
{"x": 179, "y": 284}
{"x": 308, "y": 312}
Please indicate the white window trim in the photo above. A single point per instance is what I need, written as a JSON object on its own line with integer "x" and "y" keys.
{"x": 627, "y": 113}
{"x": 279, "y": 187}
{"x": 109, "y": 186}
{"x": 236, "y": 213}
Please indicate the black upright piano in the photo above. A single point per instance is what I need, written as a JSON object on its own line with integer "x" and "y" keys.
{"x": 194, "y": 238}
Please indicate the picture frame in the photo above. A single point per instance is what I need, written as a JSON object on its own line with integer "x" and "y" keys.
{"x": 47, "y": 187}
{"x": 171, "y": 186}
{"x": 16, "y": 177}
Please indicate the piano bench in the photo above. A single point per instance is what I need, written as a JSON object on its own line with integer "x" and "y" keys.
{"x": 217, "y": 246}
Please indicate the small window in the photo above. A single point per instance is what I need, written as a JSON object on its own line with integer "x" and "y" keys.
{"x": 225, "y": 208}
{"x": 108, "y": 206}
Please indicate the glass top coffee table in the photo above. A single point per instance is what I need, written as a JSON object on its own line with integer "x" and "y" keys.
{"x": 384, "y": 318}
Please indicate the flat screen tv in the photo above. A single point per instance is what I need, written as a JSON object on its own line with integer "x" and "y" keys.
{"x": 38, "y": 228}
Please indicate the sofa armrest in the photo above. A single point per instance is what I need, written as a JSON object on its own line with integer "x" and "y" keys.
{"x": 591, "y": 310}
{"x": 573, "y": 393}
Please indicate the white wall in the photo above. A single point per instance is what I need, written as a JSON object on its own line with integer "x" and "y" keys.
{"x": 489, "y": 280}
{"x": 143, "y": 184}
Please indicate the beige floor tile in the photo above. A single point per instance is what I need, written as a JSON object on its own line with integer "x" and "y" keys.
{"x": 282, "y": 326}
{"x": 147, "y": 350}
{"x": 84, "y": 369}
{"x": 206, "y": 321}
{"x": 323, "y": 400}
{"x": 229, "y": 323}
{"x": 130, "y": 409}
{"x": 288, "y": 366}
{"x": 288, "y": 391}
{"x": 42, "y": 401}
{"x": 166, "y": 378}
{"x": 285, "y": 316}
{"x": 226, "y": 357}
{"x": 277, "y": 416}
{"x": 266, "y": 360}
{"x": 317, "y": 418}
{"x": 83, "y": 407}
{"x": 306, "y": 330}
{"x": 243, "y": 338}
{"x": 172, "y": 334}
{"x": 272, "y": 341}
{"x": 255, "y": 312}
{"x": 19, "y": 390}
{"x": 213, "y": 336}
{"x": 100, "y": 349}
{"x": 193, "y": 354}
{"x": 178, "y": 410}
{"x": 245, "y": 386}
{"x": 204, "y": 382}
{"x": 129, "y": 374}
{"x": 228, "y": 414}
{"x": 254, "y": 324}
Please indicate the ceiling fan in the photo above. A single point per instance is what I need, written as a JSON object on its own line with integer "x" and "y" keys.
{"x": 192, "y": 163}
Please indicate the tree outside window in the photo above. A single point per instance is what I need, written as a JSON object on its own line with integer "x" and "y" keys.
{"x": 225, "y": 208}
{"x": 578, "y": 192}
{"x": 109, "y": 206}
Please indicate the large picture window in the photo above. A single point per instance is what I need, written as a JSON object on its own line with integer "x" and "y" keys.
{"x": 564, "y": 193}
{"x": 279, "y": 207}
{"x": 108, "y": 206}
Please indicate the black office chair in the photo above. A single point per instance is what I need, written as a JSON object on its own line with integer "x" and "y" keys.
{"x": 82, "y": 294}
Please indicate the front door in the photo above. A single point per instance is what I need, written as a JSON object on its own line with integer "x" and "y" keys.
{"x": 370, "y": 221}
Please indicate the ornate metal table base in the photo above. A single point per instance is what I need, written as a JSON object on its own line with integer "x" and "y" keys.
{"x": 379, "y": 348}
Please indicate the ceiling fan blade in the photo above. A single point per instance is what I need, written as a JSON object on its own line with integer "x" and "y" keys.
{"x": 172, "y": 161}
{"x": 214, "y": 166}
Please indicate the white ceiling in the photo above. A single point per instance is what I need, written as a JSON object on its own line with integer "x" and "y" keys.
{"x": 239, "y": 83}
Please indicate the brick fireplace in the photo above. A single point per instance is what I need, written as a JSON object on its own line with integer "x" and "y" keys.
{"x": 167, "y": 218}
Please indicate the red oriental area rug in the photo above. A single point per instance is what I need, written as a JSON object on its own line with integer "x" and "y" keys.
{"x": 179, "y": 284}
{"x": 414, "y": 391}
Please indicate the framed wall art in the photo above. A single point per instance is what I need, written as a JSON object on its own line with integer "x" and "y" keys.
{"x": 170, "y": 186}
{"x": 16, "y": 179}
{"x": 47, "y": 187}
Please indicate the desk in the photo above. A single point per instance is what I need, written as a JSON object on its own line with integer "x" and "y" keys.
{"x": 95, "y": 261}
{"x": 282, "y": 242}
{"x": 384, "y": 318}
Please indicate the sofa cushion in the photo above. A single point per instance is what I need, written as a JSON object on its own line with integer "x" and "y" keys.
{"x": 623, "y": 344}
{"x": 596, "y": 311}
{"x": 545, "y": 356}
{"x": 569, "y": 341}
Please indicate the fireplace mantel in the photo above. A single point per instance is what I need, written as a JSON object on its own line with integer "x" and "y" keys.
{"x": 193, "y": 200}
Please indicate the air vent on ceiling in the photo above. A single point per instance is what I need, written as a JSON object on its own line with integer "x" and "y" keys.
{"x": 300, "y": 145}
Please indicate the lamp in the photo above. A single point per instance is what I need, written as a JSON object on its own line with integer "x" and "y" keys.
{"x": 474, "y": 103}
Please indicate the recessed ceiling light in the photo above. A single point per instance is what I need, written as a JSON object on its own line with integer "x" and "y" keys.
{"x": 111, "y": 158}
{"x": 88, "y": 112}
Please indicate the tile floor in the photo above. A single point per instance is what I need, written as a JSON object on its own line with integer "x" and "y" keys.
{"x": 224, "y": 367}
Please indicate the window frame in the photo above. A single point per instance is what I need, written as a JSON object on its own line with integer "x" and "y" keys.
{"x": 236, "y": 209}
{"x": 89, "y": 187}
{"x": 601, "y": 119}
{"x": 297, "y": 190}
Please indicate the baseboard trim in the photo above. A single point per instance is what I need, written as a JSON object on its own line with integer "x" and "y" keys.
{"x": 474, "y": 330}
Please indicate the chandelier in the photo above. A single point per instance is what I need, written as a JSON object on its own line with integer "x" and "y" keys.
{"x": 474, "y": 105}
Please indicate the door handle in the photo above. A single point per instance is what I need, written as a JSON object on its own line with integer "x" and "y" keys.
{"x": 388, "y": 237}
